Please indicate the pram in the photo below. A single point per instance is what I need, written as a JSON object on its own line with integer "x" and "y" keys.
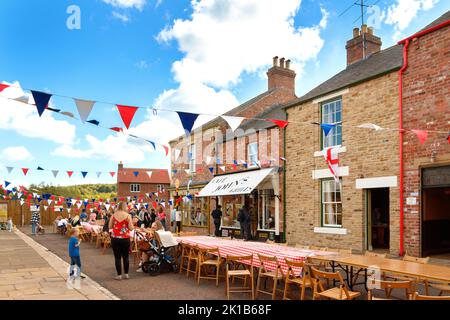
{"x": 162, "y": 249}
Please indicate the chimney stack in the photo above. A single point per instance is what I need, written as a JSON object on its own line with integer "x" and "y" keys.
{"x": 120, "y": 166}
{"x": 363, "y": 44}
{"x": 280, "y": 75}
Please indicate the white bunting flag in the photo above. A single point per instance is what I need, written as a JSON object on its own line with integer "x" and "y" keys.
{"x": 187, "y": 171}
{"x": 222, "y": 168}
{"x": 107, "y": 206}
{"x": 79, "y": 205}
{"x": 49, "y": 201}
{"x": 22, "y": 202}
{"x": 176, "y": 153}
{"x": 55, "y": 172}
{"x": 68, "y": 210}
{"x": 10, "y": 169}
{"x": 84, "y": 108}
{"x": 99, "y": 174}
{"x": 233, "y": 122}
{"x": 149, "y": 173}
{"x": 208, "y": 159}
{"x": 370, "y": 126}
{"x": 45, "y": 208}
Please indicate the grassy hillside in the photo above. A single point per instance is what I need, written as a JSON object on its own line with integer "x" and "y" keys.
{"x": 85, "y": 191}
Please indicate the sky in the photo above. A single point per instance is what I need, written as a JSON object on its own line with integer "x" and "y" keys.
{"x": 203, "y": 56}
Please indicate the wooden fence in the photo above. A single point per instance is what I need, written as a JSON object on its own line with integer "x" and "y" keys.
{"x": 21, "y": 214}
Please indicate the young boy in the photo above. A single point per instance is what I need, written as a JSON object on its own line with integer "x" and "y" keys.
{"x": 74, "y": 253}
{"x": 10, "y": 225}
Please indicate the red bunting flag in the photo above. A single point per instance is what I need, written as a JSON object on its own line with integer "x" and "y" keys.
{"x": 117, "y": 129}
{"x": 112, "y": 173}
{"x": 127, "y": 114}
{"x": 421, "y": 134}
{"x": 3, "y": 87}
{"x": 448, "y": 137}
{"x": 69, "y": 173}
{"x": 281, "y": 123}
{"x": 25, "y": 171}
{"x": 166, "y": 148}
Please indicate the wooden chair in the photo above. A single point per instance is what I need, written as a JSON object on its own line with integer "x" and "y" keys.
{"x": 135, "y": 251}
{"x": 209, "y": 258}
{"x": 417, "y": 296}
{"x": 99, "y": 239}
{"x": 388, "y": 286}
{"x": 264, "y": 274}
{"x": 94, "y": 236}
{"x": 341, "y": 292}
{"x": 239, "y": 267}
{"x": 406, "y": 257}
{"x": 184, "y": 256}
{"x": 193, "y": 258}
{"x": 301, "y": 279}
{"x": 69, "y": 227}
{"x": 106, "y": 242}
{"x": 300, "y": 246}
{"x": 441, "y": 286}
{"x": 374, "y": 254}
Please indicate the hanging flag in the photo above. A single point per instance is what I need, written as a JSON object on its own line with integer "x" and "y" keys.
{"x": 187, "y": 171}
{"x": 99, "y": 174}
{"x": 223, "y": 168}
{"x": 136, "y": 173}
{"x": 112, "y": 173}
{"x": 448, "y": 137}
{"x": 69, "y": 114}
{"x": 208, "y": 159}
{"x": 282, "y": 159}
{"x": 41, "y": 99}
{"x": 421, "y": 134}
{"x": 94, "y": 122}
{"x": 69, "y": 173}
{"x": 84, "y": 173}
{"x": 149, "y": 173}
{"x": 166, "y": 148}
{"x": 152, "y": 143}
{"x": 54, "y": 110}
{"x": 84, "y": 108}
{"x": 331, "y": 156}
{"x": 25, "y": 171}
{"x": 7, "y": 184}
{"x": 369, "y": 126}
{"x": 187, "y": 120}
{"x": 174, "y": 171}
{"x": 45, "y": 208}
{"x": 40, "y": 168}
{"x": 3, "y": 86}
{"x": 127, "y": 114}
{"x": 327, "y": 127}
{"x": 117, "y": 129}
{"x": 233, "y": 122}
{"x": 10, "y": 169}
{"x": 55, "y": 172}
{"x": 280, "y": 123}
{"x": 211, "y": 169}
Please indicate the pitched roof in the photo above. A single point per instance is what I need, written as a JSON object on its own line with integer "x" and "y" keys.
{"x": 158, "y": 176}
{"x": 377, "y": 64}
{"x": 441, "y": 19}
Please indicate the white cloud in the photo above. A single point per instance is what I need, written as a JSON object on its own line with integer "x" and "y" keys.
{"x": 122, "y": 17}
{"x": 138, "y": 4}
{"x": 14, "y": 154}
{"x": 224, "y": 38}
{"x": 402, "y": 12}
{"x": 114, "y": 148}
{"x": 24, "y": 119}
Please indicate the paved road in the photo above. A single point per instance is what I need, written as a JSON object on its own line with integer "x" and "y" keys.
{"x": 28, "y": 271}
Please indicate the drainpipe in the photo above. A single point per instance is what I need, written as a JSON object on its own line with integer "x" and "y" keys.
{"x": 284, "y": 183}
{"x": 405, "y": 43}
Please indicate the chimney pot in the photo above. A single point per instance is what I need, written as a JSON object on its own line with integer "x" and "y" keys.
{"x": 355, "y": 32}
{"x": 275, "y": 61}
{"x": 363, "y": 44}
{"x": 364, "y": 28}
{"x": 370, "y": 30}
{"x": 282, "y": 63}
{"x": 288, "y": 64}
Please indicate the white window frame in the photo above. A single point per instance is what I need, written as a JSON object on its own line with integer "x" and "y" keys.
{"x": 192, "y": 164}
{"x": 135, "y": 187}
{"x": 251, "y": 163}
{"x": 335, "y": 203}
{"x": 332, "y": 139}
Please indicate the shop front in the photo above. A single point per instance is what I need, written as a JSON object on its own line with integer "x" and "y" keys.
{"x": 259, "y": 189}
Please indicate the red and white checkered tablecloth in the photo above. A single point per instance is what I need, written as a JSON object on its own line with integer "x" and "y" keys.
{"x": 241, "y": 248}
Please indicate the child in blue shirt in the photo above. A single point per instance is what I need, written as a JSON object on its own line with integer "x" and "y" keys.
{"x": 74, "y": 252}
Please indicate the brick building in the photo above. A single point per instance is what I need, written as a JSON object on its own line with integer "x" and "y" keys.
{"x": 426, "y": 95}
{"x": 214, "y": 150}
{"x": 362, "y": 210}
{"x": 138, "y": 182}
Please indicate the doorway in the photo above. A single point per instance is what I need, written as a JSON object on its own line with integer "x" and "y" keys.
{"x": 377, "y": 218}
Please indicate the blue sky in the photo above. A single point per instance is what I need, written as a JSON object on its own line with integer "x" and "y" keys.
{"x": 200, "y": 56}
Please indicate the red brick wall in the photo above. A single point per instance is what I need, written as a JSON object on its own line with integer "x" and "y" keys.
{"x": 123, "y": 190}
{"x": 426, "y": 94}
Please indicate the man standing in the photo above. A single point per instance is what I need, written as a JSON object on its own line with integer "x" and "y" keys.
{"x": 217, "y": 215}
{"x": 244, "y": 221}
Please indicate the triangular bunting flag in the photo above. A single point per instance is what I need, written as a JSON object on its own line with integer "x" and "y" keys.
{"x": 54, "y": 110}
{"x": 187, "y": 120}
{"x": 45, "y": 208}
{"x": 10, "y": 169}
{"x": 233, "y": 122}
{"x": 421, "y": 134}
{"x": 112, "y": 173}
{"x": 127, "y": 114}
{"x": 327, "y": 127}
{"x": 149, "y": 173}
{"x": 369, "y": 126}
{"x": 84, "y": 108}
{"x": 99, "y": 174}
{"x": 94, "y": 122}
{"x": 40, "y": 168}
{"x": 41, "y": 99}
{"x": 117, "y": 129}
{"x": 3, "y": 86}
{"x": 25, "y": 171}
{"x": 187, "y": 171}
{"x": 166, "y": 149}
{"x": 55, "y": 172}
{"x": 211, "y": 169}
{"x": 69, "y": 173}
{"x": 69, "y": 114}
{"x": 152, "y": 143}
{"x": 280, "y": 123}
{"x": 84, "y": 173}
{"x": 223, "y": 168}
{"x": 448, "y": 137}
{"x": 176, "y": 153}
{"x": 136, "y": 173}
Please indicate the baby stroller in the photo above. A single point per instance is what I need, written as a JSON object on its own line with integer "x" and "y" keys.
{"x": 162, "y": 249}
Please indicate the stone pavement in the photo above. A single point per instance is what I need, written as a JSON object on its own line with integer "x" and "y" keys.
{"x": 29, "y": 271}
